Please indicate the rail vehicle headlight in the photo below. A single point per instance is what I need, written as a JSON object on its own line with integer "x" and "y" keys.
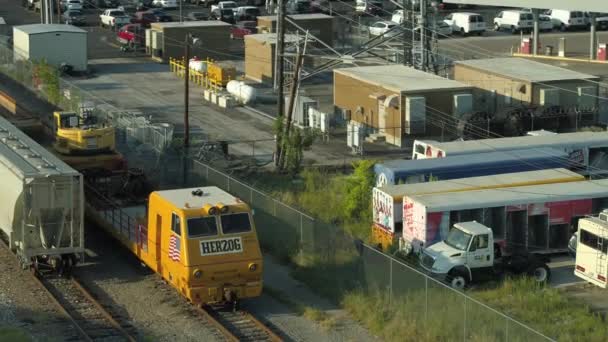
{"x": 253, "y": 266}
{"x": 211, "y": 210}
{"x": 197, "y": 273}
{"x": 222, "y": 207}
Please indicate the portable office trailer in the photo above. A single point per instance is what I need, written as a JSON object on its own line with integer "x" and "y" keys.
{"x": 589, "y": 149}
{"x": 168, "y": 39}
{"x": 478, "y": 164}
{"x": 317, "y": 24}
{"x": 506, "y": 82}
{"x": 260, "y": 50}
{"x": 393, "y": 100}
{"x": 42, "y": 200}
{"x": 538, "y": 217}
{"x": 55, "y": 43}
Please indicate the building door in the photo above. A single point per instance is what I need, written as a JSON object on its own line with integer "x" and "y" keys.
{"x": 159, "y": 225}
{"x": 381, "y": 117}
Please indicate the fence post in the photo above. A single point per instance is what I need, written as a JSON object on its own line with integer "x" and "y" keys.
{"x": 227, "y": 183}
{"x": 301, "y": 235}
{"x": 250, "y": 196}
{"x": 426, "y": 299}
{"x": 390, "y": 281}
{"x": 464, "y": 328}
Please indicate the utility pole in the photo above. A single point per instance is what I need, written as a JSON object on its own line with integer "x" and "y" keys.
{"x": 280, "y": 52}
{"x": 423, "y": 36}
{"x": 292, "y": 99}
{"x": 187, "y": 90}
{"x": 406, "y": 19}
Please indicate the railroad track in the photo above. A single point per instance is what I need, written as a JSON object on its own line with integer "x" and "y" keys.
{"x": 237, "y": 325}
{"x": 91, "y": 320}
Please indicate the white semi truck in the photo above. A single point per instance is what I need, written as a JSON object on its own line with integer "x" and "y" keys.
{"x": 470, "y": 254}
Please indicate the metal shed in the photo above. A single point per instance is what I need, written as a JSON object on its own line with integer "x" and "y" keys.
{"x": 538, "y": 217}
{"x": 392, "y": 100}
{"x": 55, "y": 43}
{"x": 167, "y": 39}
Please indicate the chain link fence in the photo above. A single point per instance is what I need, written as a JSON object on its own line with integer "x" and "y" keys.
{"x": 332, "y": 261}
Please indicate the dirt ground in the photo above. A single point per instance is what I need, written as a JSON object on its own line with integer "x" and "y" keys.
{"x": 593, "y": 296}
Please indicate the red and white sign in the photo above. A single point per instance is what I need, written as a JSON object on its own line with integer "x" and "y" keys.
{"x": 414, "y": 221}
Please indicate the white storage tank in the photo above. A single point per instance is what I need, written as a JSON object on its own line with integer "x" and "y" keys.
{"x": 243, "y": 92}
{"x": 56, "y": 43}
{"x": 42, "y": 211}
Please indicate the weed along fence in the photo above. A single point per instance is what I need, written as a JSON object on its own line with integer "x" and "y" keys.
{"x": 326, "y": 258}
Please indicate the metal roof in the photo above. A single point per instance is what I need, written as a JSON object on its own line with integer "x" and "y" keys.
{"x": 523, "y": 142}
{"x": 400, "y": 78}
{"x": 579, "y": 5}
{"x": 189, "y": 24}
{"x": 48, "y": 28}
{"x": 494, "y": 181}
{"x": 512, "y": 196}
{"x": 523, "y": 69}
{"x": 272, "y": 37}
{"x": 26, "y": 158}
{"x": 211, "y": 195}
{"x": 308, "y": 16}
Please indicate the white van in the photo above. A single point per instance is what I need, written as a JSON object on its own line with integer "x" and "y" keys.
{"x": 397, "y": 17}
{"x": 466, "y": 23}
{"x": 566, "y": 20}
{"x": 514, "y": 21}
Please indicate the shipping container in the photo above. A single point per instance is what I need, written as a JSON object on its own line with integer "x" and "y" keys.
{"x": 387, "y": 200}
{"x": 480, "y": 164}
{"x": 534, "y": 218}
{"x": 42, "y": 201}
{"x": 590, "y": 149}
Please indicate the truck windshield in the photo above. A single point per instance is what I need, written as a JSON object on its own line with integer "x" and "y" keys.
{"x": 235, "y": 223}
{"x": 202, "y": 226}
{"x": 458, "y": 239}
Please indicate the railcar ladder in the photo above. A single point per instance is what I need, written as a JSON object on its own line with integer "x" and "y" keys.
{"x": 600, "y": 258}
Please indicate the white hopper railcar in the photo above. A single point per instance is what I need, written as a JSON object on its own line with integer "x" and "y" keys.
{"x": 42, "y": 211}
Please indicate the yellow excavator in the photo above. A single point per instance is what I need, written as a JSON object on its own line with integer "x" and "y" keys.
{"x": 85, "y": 143}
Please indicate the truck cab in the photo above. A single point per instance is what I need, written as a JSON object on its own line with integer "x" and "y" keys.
{"x": 470, "y": 253}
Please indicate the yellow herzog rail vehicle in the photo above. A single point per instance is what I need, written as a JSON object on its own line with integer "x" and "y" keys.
{"x": 84, "y": 143}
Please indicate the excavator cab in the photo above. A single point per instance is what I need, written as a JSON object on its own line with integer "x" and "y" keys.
{"x": 79, "y": 134}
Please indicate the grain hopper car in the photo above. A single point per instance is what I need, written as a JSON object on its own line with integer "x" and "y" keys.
{"x": 42, "y": 203}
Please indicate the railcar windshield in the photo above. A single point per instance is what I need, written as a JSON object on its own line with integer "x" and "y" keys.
{"x": 458, "y": 239}
{"x": 236, "y": 223}
{"x": 202, "y": 226}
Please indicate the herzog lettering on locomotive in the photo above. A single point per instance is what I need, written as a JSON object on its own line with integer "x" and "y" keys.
{"x": 221, "y": 246}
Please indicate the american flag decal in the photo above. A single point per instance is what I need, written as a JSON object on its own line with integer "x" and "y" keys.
{"x": 174, "y": 250}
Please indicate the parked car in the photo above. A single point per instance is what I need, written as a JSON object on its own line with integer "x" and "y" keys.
{"x": 223, "y": 5}
{"x": 171, "y": 4}
{"x": 128, "y": 9}
{"x": 160, "y": 15}
{"x": 381, "y": 27}
{"x": 601, "y": 20}
{"x": 144, "y": 18}
{"x": 225, "y": 15}
{"x": 298, "y": 7}
{"x": 73, "y": 5}
{"x": 320, "y": 6}
{"x": 246, "y": 13}
{"x": 514, "y": 21}
{"x": 545, "y": 23}
{"x": 73, "y": 17}
{"x": 369, "y": 7}
{"x": 131, "y": 35}
{"x": 440, "y": 5}
{"x": 567, "y": 20}
{"x": 114, "y": 18}
{"x": 441, "y": 28}
{"x": 206, "y": 3}
{"x": 195, "y": 16}
{"x": 466, "y": 23}
{"x": 243, "y": 28}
